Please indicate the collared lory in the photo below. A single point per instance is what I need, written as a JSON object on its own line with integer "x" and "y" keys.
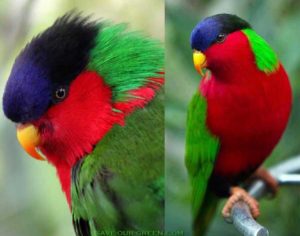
{"x": 87, "y": 97}
{"x": 237, "y": 115}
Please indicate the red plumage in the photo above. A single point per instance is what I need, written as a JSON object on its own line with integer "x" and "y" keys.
{"x": 245, "y": 109}
{"x": 70, "y": 129}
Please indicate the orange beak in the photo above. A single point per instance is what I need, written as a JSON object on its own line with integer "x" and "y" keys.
{"x": 29, "y": 138}
{"x": 199, "y": 61}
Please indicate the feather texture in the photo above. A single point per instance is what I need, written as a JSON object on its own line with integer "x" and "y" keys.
{"x": 201, "y": 153}
{"x": 265, "y": 57}
{"x": 120, "y": 184}
{"x": 126, "y": 60}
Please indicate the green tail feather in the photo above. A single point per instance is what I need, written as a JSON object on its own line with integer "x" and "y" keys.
{"x": 204, "y": 217}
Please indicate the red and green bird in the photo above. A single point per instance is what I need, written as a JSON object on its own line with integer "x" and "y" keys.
{"x": 87, "y": 97}
{"x": 237, "y": 115}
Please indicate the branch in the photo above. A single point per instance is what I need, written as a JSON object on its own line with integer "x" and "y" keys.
{"x": 282, "y": 172}
{"x": 243, "y": 221}
{"x": 240, "y": 214}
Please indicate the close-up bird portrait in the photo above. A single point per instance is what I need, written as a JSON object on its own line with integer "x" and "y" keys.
{"x": 85, "y": 95}
{"x": 234, "y": 115}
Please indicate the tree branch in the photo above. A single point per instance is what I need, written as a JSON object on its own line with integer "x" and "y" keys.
{"x": 284, "y": 173}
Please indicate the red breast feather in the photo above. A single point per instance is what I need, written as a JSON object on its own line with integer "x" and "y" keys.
{"x": 70, "y": 129}
{"x": 247, "y": 109}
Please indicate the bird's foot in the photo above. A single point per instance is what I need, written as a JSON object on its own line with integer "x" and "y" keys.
{"x": 239, "y": 194}
{"x": 264, "y": 175}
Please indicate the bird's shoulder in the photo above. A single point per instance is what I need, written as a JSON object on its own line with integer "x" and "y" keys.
{"x": 122, "y": 177}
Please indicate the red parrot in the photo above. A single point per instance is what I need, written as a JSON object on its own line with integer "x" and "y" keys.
{"x": 237, "y": 115}
{"x": 87, "y": 97}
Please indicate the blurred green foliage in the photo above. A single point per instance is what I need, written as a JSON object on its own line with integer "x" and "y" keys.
{"x": 278, "y": 22}
{"x": 31, "y": 200}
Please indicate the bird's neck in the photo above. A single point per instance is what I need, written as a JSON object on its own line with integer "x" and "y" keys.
{"x": 68, "y": 140}
{"x": 242, "y": 74}
{"x": 64, "y": 173}
{"x": 70, "y": 129}
{"x": 238, "y": 71}
{"x": 238, "y": 62}
{"x": 234, "y": 58}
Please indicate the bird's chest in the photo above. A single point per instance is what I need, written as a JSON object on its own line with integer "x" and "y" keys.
{"x": 240, "y": 112}
{"x": 248, "y": 119}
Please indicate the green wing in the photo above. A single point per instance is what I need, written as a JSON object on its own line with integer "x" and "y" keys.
{"x": 120, "y": 185}
{"x": 201, "y": 152}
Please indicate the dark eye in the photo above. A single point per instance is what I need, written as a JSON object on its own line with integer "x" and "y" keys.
{"x": 60, "y": 94}
{"x": 221, "y": 38}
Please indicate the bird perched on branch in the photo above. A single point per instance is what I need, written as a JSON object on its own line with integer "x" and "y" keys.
{"x": 87, "y": 97}
{"x": 237, "y": 115}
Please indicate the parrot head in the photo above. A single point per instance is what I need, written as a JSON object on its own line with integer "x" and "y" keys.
{"x": 214, "y": 41}
{"x": 73, "y": 82}
{"x": 48, "y": 91}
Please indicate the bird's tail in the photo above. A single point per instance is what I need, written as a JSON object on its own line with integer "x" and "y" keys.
{"x": 205, "y": 215}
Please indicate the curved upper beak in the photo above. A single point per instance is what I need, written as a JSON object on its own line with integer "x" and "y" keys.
{"x": 199, "y": 61}
{"x": 29, "y": 138}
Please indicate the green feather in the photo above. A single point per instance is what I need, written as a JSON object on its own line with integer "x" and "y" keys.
{"x": 201, "y": 152}
{"x": 206, "y": 213}
{"x": 122, "y": 179}
{"x": 126, "y": 60}
{"x": 265, "y": 57}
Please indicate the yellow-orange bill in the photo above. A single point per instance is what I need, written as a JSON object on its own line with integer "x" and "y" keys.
{"x": 199, "y": 61}
{"x": 29, "y": 138}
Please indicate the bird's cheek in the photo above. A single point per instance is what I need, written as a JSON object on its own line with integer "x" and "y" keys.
{"x": 29, "y": 138}
{"x": 215, "y": 58}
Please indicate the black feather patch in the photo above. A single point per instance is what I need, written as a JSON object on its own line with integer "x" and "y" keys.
{"x": 81, "y": 227}
{"x": 230, "y": 23}
{"x": 63, "y": 49}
